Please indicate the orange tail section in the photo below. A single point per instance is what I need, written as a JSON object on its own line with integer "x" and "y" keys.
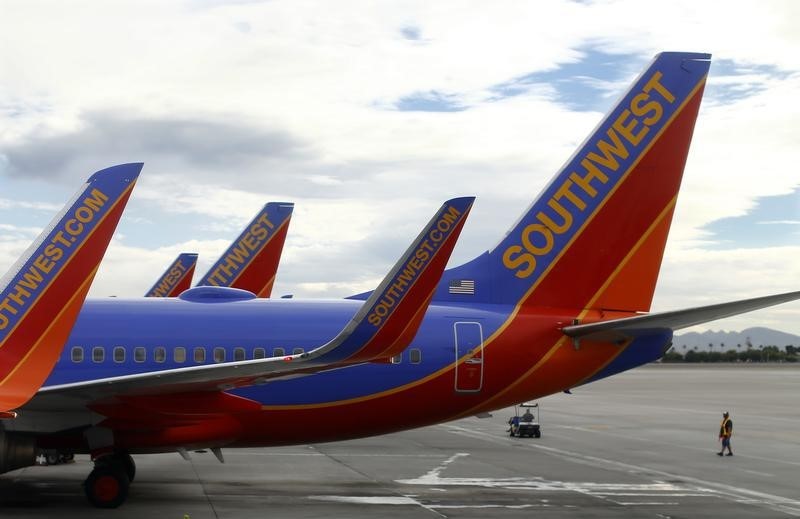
{"x": 595, "y": 237}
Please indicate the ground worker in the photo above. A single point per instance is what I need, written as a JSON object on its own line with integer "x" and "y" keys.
{"x": 725, "y": 433}
{"x": 514, "y": 423}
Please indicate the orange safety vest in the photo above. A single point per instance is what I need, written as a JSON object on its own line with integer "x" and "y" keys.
{"x": 723, "y": 431}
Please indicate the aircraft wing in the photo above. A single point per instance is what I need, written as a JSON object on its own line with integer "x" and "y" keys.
{"x": 616, "y": 329}
{"x": 377, "y": 331}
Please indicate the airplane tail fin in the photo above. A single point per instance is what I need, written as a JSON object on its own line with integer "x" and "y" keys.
{"x": 42, "y": 293}
{"x": 595, "y": 236}
{"x": 177, "y": 278}
{"x": 251, "y": 262}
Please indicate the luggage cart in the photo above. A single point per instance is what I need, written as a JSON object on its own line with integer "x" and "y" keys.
{"x": 528, "y": 424}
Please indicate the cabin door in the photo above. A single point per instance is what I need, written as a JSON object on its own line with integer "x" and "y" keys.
{"x": 469, "y": 356}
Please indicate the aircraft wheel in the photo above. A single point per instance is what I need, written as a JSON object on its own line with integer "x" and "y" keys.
{"x": 107, "y": 486}
{"x": 128, "y": 464}
{"x": 121, "y": 460}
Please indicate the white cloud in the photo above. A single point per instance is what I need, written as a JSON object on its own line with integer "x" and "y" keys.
{"x": 293, "y": 100}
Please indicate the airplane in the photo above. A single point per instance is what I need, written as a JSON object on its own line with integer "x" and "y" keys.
{"x": 250, "y": 263}
{"x": 177, "y": 277}
{"x": 560, "y": 302}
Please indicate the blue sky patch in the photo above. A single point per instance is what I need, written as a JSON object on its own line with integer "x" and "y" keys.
{"x": 585, "y": 85}
{"x": 732, "y": 81}
{"x": 431, "y": 101}
{"x": 589, "y": 84}
{"x": 773, "y": 222}
{"x": 409, "y": 32}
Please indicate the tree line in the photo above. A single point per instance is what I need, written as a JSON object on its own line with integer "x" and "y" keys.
{"x": 740, "y": 353}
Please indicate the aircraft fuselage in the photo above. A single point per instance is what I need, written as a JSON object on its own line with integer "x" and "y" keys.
{"x": 464, "y": 360}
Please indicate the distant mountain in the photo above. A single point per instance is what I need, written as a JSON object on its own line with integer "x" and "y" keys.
{"x": 724, "y": 341}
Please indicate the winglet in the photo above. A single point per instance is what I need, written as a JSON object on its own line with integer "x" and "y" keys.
{"x": 251, "y": 262}
{"x": 388, "y": 321}
{"x": 177, "y": 278}
{"x": 41, "y": 295}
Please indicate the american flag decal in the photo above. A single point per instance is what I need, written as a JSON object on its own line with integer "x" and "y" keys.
{"x": 462, "y": 286}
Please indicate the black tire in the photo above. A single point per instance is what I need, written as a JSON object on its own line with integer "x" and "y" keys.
{"x": 123, "y": 461}
{"x": 52, "y": 458}
{"x": 538, "y": 434}
{"x": 107, "y": 486}
{"x": 128, "y": 464}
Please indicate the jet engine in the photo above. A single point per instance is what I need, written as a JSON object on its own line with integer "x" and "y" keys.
{"x": 16, "y": 450}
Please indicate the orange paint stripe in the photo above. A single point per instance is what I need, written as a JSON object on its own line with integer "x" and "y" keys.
{"x": 266, "y": 291}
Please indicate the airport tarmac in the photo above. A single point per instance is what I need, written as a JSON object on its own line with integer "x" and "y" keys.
{"x": 641, "y": 444}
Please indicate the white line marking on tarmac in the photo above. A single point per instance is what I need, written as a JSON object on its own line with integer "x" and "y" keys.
{"x": 737, "y": 494}
{"x": 652, "y": 503}
{"x": 234, "y": 452}
{"x": 757, "y": 473}
{"x": 369, "y": 500}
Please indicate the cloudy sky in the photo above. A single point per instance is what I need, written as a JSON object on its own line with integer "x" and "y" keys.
{"x": 368, "y": 115}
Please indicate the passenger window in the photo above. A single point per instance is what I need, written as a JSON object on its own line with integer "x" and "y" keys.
{"x": 278, "y": 352}
{"x": 297, "y": 351}
{"x": 139, "y": 354}
{"x": 160, "y": 354}
{"x": 415, "y": 355}
{"x": 119, "y": 354}
{"x": 98, "y": 354}
{"x": 77, "y": 354}
{"x": 238, "y": 354}
{"x": 199, "y": 354}
{"x": 397, "y": 359}
{"x": 259, "y": 353}
{"x": 179, "y": 355}
{"x": 219, "y": 355}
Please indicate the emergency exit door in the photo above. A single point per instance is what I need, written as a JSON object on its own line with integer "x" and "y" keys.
{"x": 469, "y": 356}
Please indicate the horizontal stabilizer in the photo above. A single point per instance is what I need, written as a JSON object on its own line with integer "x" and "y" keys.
{"x": 675, "y": 320}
